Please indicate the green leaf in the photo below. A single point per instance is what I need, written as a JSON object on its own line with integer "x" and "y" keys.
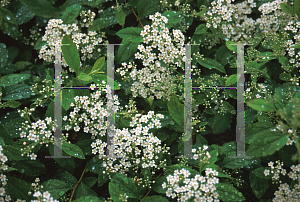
{"x": 39, "y": 44}
{"x": 12, "y": 79}
{"x": 121, "y": 184}
{"x": 18, "y": 92}
{"x": 98, "y": 66}
{"x": 89, "y": 181}
{"x": 176, "y": 110}
{"x": 22, "y": 186}
{"x": 89, "y": 199}
{"x": 266, "y": 144}
{"x": 71, "y": 54}
{"x": 9, "y": 24}
{"x": 147, "y": 7}
{"x": 211, "y": 64}
{"x": 201, "y": 29}
{"x": 83, "y": 76}
{"x": 155, "y": 198}
{"x": 297, "y": 8}
{"x": 66, "y": 177}
{"x": 285, "y": 76}
{"x": 222, "y": 55}
{"x": 261, "y": 105}
{"x": 127, "y": 50}
{"x": 69, "y": 16}
{"x": 42, "y": 8}
{"x": 50, "y": 110}
{"x": 24, "y": 15}
{"x": 84, "y": 191}
{"x": 31, "y": 168}
{"x": 174, "y": 17}
{"x": 107, "y": 19}
{"x": 22, "y": 64}
{"x": 231, "y": 47}
{"x": 221, "y": 122}
{"x": 287, "y": 9}
{"x": 67, "y": 98}
{"x": 73, "y": 150}
{"x": 13, "y": 103}
{"x": 56, "y": 188}
{"x": 259, "y": 172}
{"x": 3, "y": 55}
{"x": 227, "y": 192}
{"x": 131, "y": 34}
{"x": 258, "y": 185}
{"x": 231, "y": 80}
{"x": 120, "y": 16}
{"x": 67, "y": 164}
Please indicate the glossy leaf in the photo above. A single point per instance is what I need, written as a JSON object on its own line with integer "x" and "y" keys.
{"x": 120, "y": 16}
{"x": 83, "y": 76}
{"x": 131, "y": 34}
{"x": 71, "y": 54}
{"x": 73, "y": 150}
{"x": 71, "y": 13}
{"x": 12, "y": 79}
{"x": 42, "y": 8}
{"x": 261, "y": 105}
{"x": 211, "y": 64}
{"x": 56, "y": 188}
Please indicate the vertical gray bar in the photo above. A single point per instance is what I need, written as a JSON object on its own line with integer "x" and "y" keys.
{"x": 58, "y": 107}
{"x": 240, "y": 127}
{"x": 110, "y": 100}
{"x": 188, "y": 104}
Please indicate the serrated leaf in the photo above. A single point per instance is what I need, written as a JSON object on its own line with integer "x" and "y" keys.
{"x": 39, "y": 44}
{"x": 127, "y": 50}
{"x": 261, "y": 105}
{"x": 67, "y": 164}
{"x": 83, "y": 191}
{"x": 121, "y": 184}
{"x": 67, "y": 98}
{"x": 259, "y": 172}
{"x": 201, "y": 29}
{"x": 107, "y": 19}
{"x": 12, "y": 79}
{"x": 176, "y": 110}
{"x": 284, "y": 61}
{"x": 56, "y": 188}
{"x": 147, "y": 7}
{"x": 9, "y": 24}
{"x": 22, "y": 186}
{"x": 266, "y": 144}
{"x": 89, "y": 181}
{"x": 23, "y": 15}
{"x": 287, "y": 9}
{"x": 174, "y": 17}
{"x": 258, "y": 185}
{"x": 69, "y": 16}
{"x": 231, "y": 80}
{"x": 31, "y": 168}
{"x": 211, "y": 64}
{"x": 18, "y": 92}
{"x": 221, "y": 122}
{"x": 120, "y": 16}
{"x": 71, "y": 54}
{"x": 42, "y": 8}
{"x": 73, "y": 150}
{"x": 227, "y": 192}
{"x": 22, "y": 64}
{"x": 131, "y": 34}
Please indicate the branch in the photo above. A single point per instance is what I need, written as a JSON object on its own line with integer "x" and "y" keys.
{"x": 78, "y": 182}
{"x": 137, "y": 18}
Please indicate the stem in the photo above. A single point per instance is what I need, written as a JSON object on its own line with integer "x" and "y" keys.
{"x": 78, "y": 182}
{"x": 150, "y": 188}
{"x": 137, "y": 18}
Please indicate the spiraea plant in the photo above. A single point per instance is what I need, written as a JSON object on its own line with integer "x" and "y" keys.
{"x": 141, "y": 154}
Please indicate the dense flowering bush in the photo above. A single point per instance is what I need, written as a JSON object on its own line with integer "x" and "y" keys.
{"x": 148, "y": 101}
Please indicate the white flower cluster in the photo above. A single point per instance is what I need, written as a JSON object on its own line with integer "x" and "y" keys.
{"x": 158, "y": 67}
{"x": 91, "y": 112}
{"x": 3, "y": 194}
{"x": 135, "y": 147}
{"x": 234, "y": 14}
{"x": 199, "y": 188}
{"x": 285, "y": 193}
{"x": 55, "y": 31}
{"x": 201, "y": 154}
{"x": 41, "y": 197}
